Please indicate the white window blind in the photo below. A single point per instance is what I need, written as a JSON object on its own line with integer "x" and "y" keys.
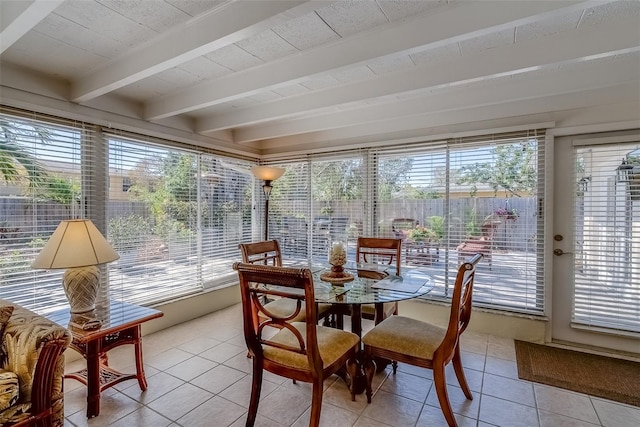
{"x": 607, "y": 236}
{"x": 41, "y": 183}
{"x": 178, "y": 225}
{"x": 318, "y": 200}
{"x": 226, "y": 215}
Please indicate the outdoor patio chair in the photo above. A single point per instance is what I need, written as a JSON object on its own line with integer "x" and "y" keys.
{"x": 483, "y": 244}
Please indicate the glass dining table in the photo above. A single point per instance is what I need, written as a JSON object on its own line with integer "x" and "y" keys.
{"x": 366, "y": 289}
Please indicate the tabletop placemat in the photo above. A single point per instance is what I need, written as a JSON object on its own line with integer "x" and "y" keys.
{"x": 395, "y": 283}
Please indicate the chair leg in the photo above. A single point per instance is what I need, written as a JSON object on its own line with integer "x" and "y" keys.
{"x": 256, "y": 386}
{"x": 316, "y": 403}
{"x": 459, "y": 370}
{"x": 369, "y": 371}
{"x": 352, "y": 370}
{"x": 441, "y": 390}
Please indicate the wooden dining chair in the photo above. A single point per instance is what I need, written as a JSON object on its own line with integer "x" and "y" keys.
{"x": 269, "y": 253}
{"x": 300, "y": 351}
{"x": 379, "y": 251}
{"x": 402, "y": 339}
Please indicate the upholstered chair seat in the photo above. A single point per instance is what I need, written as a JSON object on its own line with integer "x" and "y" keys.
{"x": 405, "y": 335}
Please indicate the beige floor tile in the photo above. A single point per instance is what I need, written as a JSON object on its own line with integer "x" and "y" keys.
{"x": 501, "y": 412}
{"x": 199, "y": 345}
{"x": 260, "y": 422}
{"x": 473, "y": 361}
{"x": 240, "y": 391}
{"x": 407, "y": 385}
{"x": 330, "y": 416}
{"x": 564, "y": 402}
{"x": 507, "y": 352}
{"x": 217, "y": 379}
{"x": 459, "y": 403}
{"x": 180, "y": 401}
{"x": 142, "y": 417}
{"x": 432, "y": 416}
{"x": 517, "y": 391}
{"x": 191, "y": 368}
{"x": 474, "y": 378}
{"x": 284, "y": 405}
{"x": 368, "y": 422}
{"x": 393, "y": 409}
{"x": 223, "y": 352}
{"x": 240, "y": 362}
{"x": 216, "y": 410}
{"x": 501, "y": 367}
{"x": 113, "y": 406}
{"x": 614, "y": 414}
{"x": 473, "y": 343}
{"x": 167, "y": 358}
{"x": 157, "y": 386}
{"x": 549, "y": 419}
{"x": 338, "y": 395}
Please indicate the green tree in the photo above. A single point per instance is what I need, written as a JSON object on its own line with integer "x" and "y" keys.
{"x": 512, "y": 170}
{"x": 393, "y": 175}
{"x": 337, "y": 180}
{"x": 61, "y": 190}
{"x": 16, "y": 162}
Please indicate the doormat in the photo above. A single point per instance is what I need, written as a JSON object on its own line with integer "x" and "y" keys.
{"x": 606, "y": 377}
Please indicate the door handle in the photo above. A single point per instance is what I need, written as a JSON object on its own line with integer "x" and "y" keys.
{"x": 558, "y": 252}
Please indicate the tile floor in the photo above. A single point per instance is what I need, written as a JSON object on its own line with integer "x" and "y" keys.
{"x": 199, "y": 375}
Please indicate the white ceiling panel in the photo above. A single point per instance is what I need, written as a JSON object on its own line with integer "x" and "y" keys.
{"x": 610, "y": 11}
{"x": 267, "y": 46}
{"x": 350, "y": 17}
{"x": 196, "y": 7}
{"x": 156, "y": 15}
{"x": 556, "y": 24}
{"x": 62, "y": 60}
{"x": 104, "y": 21}
{"x": 234, "y": 58}
{"x": 272, "y": 73}
{"x": 400, "y": 9}
{"x": 74, "y": 34}
{"x": 306, "y": 32}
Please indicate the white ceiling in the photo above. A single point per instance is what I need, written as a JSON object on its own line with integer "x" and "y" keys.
{"x": 272, "y": 76}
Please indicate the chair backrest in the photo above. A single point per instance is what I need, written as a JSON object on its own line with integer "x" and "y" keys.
{"x": 460, "y": 304}
{"x": 285, "y": 282}
{"x": 267, "y": 253}
{"x": 379, "y": 250}
{"x": 400, "y": 225}
{"x": 489, "y": 229}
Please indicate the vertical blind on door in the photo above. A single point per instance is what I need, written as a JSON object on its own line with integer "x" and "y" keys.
{"x": 607, "y": 236}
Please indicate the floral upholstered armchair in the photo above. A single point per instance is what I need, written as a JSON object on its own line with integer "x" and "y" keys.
{"x": 31, "y": 368}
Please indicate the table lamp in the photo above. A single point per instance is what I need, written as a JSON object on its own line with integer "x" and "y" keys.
{"x": 78, "y": 246}
{"x": 267, "y": 174}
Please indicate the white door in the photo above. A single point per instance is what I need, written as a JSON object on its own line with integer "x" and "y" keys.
{"x": 596, "y": 262}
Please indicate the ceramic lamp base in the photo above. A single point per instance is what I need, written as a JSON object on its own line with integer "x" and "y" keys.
{"x": 81, "y": 287}
{"x": 336, "y": 277}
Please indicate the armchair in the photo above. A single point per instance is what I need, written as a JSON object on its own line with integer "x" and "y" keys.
{"x": 482, "y": 245}
{"x": 32, "y": 353}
